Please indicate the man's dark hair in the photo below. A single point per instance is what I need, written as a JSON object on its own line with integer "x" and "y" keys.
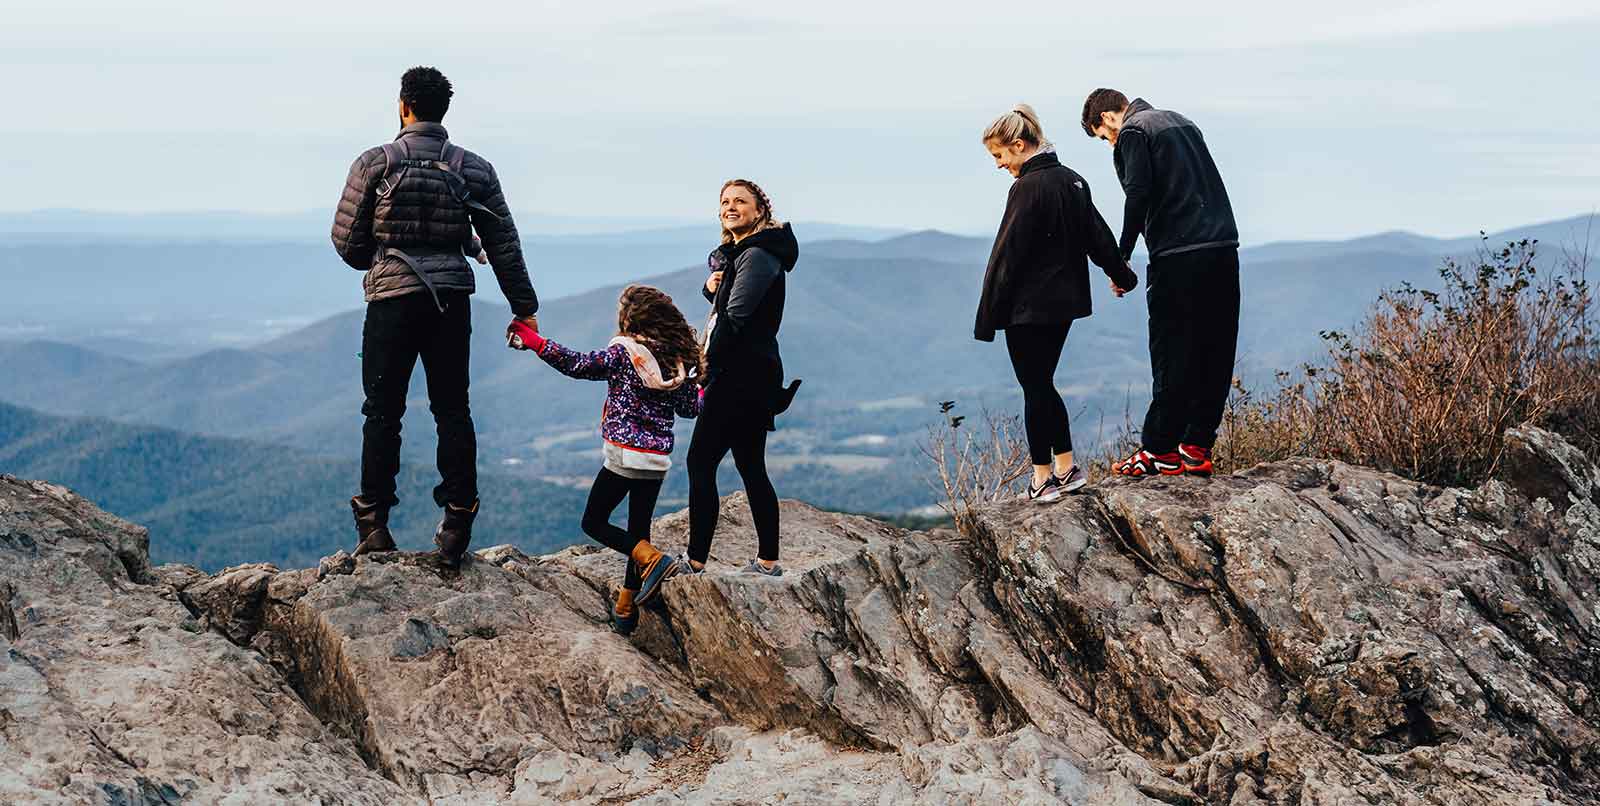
{"x": 427, "y": 92}
{"x": 1100, "y": 101}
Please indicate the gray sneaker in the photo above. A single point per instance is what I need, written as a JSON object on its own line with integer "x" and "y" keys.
{"x": 1074, "y": 481}
{"x": 757, "y": 568}
{"x": 1046, "y": 493}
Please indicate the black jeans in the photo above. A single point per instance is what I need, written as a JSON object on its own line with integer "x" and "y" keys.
{"x": 1035, "y": 351}
{"x": 729, "y": 423}
{"x": 1194, "y": 332}
{"x": 607, "y": 492}
{"x": 398, "y": 331}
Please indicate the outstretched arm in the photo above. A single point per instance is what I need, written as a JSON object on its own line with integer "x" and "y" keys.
{"x": 584, "y": 367}
{"x": 504, "y": 247}
{"x": 1134, "y": 150}
{"x": 1095, "y": 235}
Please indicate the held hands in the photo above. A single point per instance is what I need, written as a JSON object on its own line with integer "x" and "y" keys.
{"x": 523, "y": 334}
{"x": 714, "y": 282}
{"x": 1129, "y": 281}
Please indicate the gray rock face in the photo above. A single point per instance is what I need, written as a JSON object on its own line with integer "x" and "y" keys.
{"x": 1305, "y": 633}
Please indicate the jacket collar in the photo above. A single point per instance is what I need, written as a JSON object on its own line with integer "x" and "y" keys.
{"x": 1041, "y": 160}
{"x": 424, "y": 128}
{"x": 1136, "y": 106}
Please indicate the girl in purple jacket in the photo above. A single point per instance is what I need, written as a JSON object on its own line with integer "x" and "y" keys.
{"x": 636, "y": 425}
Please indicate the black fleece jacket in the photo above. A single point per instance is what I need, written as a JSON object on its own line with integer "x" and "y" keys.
{"x": 1039, "y": 267}
{"x": 1175, "y": 194}
{"x": 743, "y": 343}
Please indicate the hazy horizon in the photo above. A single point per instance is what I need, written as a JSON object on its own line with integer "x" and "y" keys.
{"x": 1434, "y": 118}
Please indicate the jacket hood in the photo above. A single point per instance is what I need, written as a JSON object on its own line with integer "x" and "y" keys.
{"x": 776, "y": 241}
{"x": 649, "y": 370}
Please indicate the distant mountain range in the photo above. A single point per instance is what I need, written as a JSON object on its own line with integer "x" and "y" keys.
{"x": 168, "y": 286}
{"x": 880, "y": 330}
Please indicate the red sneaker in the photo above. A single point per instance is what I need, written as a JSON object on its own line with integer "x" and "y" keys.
{"x": 1196, "y": 460}
{"x": 1144, "y": 463}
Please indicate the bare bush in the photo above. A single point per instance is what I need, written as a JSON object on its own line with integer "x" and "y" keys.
{"x": 974, "y": 465}
{"x": 1429, "y": 381}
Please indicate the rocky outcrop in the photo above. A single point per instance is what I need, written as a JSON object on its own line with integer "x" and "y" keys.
{"x": 1306, "y": 633}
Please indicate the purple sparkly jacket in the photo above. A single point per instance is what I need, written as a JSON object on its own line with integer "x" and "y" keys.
{"x": 635, "y": 415}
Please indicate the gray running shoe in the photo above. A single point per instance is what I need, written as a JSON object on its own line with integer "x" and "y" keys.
{"x": 1074, "y": 481}
{"x": 756, "y": 567}
{"x": 1046, "y": 493}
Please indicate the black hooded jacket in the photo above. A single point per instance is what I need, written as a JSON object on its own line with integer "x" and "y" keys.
{"x": 742, "y": 347}
{"x": 1039, "y": 267}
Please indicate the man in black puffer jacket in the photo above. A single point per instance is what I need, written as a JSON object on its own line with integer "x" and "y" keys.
{"x": 1175, "y": 197}
{"x": 407, "y": 218}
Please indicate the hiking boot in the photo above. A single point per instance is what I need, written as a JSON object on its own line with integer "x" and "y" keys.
{"x": 624, "y": 613}
{"x": 1073, "y": 481}
{"x": 1196, "y": 460}
{"x": 1045, "y": 493}
{"x": 372, "y": 527}
{"x": 755, "y": 567}
{"x": 653, "y": 573}
{"x": 455, "y": 532}
{"x": 1144, "y": 463}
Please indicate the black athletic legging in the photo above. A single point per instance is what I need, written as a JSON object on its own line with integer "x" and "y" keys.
{"x": 1035, "y": 350}
{"x": 726, "y": 424}
{"x": 608, "y": 491}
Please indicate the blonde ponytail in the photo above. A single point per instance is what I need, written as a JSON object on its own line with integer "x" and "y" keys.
{"x": 1021, "y": 123}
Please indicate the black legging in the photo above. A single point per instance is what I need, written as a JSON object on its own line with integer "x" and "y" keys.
{"x": 1035, "y": 350}
{"x": 607, "y": 492}
{"x": 725, "y": 425}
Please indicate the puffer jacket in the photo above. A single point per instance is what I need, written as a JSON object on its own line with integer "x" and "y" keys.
{"x": 423, "y": 220}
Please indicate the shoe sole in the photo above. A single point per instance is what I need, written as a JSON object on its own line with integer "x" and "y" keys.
{"x": 1047, "y": 498}
{"x": 1074, "y": 486}
{"x": 648, "y": 590}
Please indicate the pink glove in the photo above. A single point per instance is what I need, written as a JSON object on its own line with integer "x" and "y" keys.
{"x": 525, "y": 338}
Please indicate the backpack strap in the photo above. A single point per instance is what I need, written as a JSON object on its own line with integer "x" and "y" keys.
{"x": 452, "y": 159}
{"x": 394, "y": 154}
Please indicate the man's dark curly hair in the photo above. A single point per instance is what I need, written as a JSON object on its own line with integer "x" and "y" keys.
{"x": 427, "y": 92}
{"x": 1100, "y": 101}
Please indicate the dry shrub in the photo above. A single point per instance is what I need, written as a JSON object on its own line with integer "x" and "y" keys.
{"x": 974, "y": 465}
{"x": 1430, "y": 380}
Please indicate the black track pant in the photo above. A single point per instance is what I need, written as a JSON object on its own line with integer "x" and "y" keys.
{"x": 727, "y": 424}
{"x": 396, "y": 333}
{"x": 607, "y": 492}
{"x": 1194, "y": 331}
{"x": 1035, "y": 351}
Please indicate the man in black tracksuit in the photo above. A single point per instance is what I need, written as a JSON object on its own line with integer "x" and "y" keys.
{"x": 406, "y": 219}
{"x": 1175, "y": 197}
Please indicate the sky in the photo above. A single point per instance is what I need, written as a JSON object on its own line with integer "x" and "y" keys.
{"x": 1441, "y": 118}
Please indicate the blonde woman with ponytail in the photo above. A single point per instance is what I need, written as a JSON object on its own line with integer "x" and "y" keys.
{"x": 1037, "y": 284}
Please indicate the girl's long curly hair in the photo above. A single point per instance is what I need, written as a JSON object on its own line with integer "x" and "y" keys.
{"x": 647, "y": 315}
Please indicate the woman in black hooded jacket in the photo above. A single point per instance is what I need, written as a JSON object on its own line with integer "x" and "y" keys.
{"x": 1037, "y": 283}
{"x": 744, "y": 371}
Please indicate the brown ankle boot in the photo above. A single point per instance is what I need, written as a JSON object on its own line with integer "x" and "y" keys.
{"x": 455, "y": 532}
{"x": 372, "y": 527}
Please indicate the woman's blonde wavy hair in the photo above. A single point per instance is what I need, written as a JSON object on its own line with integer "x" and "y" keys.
{"x": 763, "y": 206}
